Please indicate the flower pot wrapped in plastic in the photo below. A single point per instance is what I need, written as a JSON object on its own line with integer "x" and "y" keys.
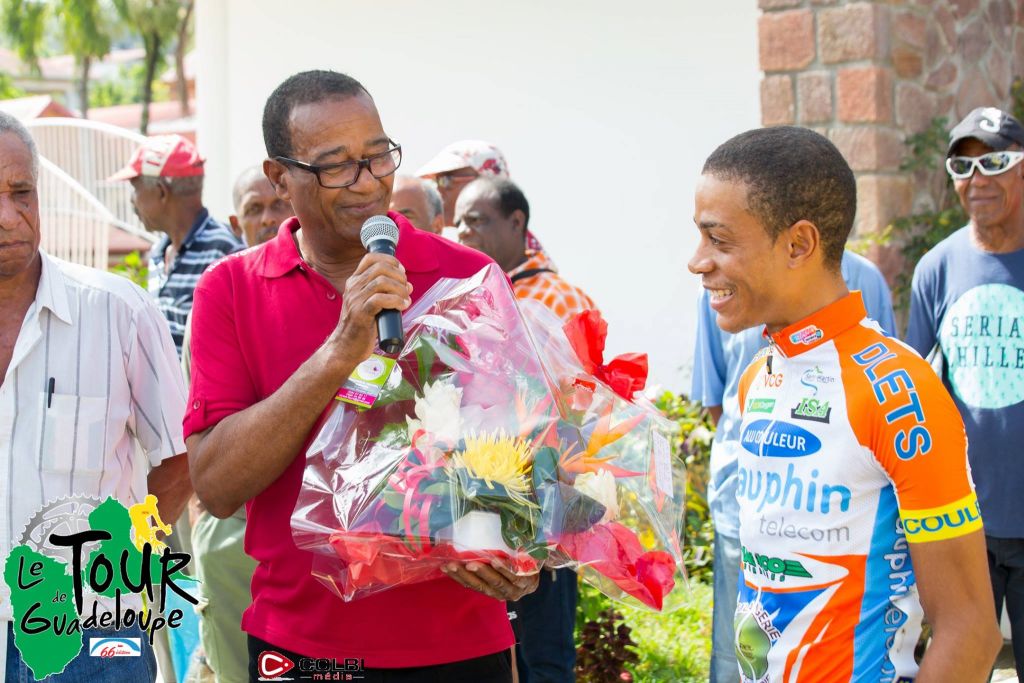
{"x": 440, "y": 468}
{"x": 493, "y": 441}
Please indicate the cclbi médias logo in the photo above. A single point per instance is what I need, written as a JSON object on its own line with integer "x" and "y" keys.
{"x": 85, "y": 564}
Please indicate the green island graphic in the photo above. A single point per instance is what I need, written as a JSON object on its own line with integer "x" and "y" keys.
{"x": 47, "y": 595}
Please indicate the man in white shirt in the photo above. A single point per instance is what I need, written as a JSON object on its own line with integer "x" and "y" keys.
{"x": 92, "y": 397}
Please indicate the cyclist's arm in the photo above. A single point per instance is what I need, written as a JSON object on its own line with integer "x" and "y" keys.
{"x": 953, "y": 582}
{"x": 918, "y": 437}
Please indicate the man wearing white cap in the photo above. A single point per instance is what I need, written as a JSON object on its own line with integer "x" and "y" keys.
{"x": 459, "y": 164}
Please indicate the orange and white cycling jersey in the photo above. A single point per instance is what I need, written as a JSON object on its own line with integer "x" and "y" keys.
{"x": 851, "y": 449}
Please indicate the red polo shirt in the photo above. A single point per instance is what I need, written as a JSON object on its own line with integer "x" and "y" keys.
{"x": 258, "y": 315}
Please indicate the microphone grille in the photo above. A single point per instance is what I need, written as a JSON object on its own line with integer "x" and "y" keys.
{"x": 378, "y": 227}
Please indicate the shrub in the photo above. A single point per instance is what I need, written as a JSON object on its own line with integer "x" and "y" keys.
{"x": 621, "y": 644}
{"x": 616, "y": 643}
{"x": 693, "y": 447}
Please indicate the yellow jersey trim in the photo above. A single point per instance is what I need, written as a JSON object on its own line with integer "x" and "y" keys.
{"x": 938, "y": 524}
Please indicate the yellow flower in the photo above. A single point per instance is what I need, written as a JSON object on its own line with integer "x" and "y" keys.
{"x": 498, "y": 459}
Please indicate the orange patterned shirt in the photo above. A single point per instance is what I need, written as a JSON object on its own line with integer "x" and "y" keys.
{"x": 549, "y": 288}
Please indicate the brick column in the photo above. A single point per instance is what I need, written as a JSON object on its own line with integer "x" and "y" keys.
{"x": 867, "y": 73}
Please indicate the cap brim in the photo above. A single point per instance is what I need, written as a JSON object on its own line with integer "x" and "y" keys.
{"x": 126, "y": 173}
{"x": 994, "y": 140}
{"x": 444, "y": 162}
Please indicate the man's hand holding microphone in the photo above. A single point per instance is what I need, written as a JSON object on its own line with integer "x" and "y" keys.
{"x": 375, "y": 295}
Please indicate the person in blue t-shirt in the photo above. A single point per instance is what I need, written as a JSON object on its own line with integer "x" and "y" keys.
{"x": 719, "y": 360}
{"x": 967, "y": 312}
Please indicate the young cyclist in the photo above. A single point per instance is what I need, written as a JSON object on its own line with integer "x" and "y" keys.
{"x": 856, "y": 505}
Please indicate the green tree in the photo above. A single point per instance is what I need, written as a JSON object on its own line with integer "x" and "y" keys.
{"x": 84, "y": 33}
{"x": 157, "y": 22}
{"x": 8, "y": 90}
{"x": 184, "y": 25}
{"x": 125, "y": 88}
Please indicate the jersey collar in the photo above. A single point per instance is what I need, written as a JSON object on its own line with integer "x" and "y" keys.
{"x": 821, "y": 326}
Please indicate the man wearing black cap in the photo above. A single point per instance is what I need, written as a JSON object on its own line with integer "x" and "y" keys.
{"x": 967, "y": 305}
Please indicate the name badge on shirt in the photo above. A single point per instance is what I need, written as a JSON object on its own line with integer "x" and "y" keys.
{"x": 363, "y": 387}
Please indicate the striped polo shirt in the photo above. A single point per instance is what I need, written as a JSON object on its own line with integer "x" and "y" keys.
{"x": 206, "y": 242}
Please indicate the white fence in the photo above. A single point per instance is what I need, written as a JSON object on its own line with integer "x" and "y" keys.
{"x": 75, "y": 226}
{"x": 90, "y": 152}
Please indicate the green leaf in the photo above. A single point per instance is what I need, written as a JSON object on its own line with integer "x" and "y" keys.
{"x": 579, "y": 511}
{"x": 545, "y": 467}
{"x": 394, "y": 435}
{"x": 425, "y": 357}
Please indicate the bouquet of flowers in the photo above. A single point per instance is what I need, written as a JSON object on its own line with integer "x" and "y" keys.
{"x": 614, "y": 447}
{"x": 488, "y": 442}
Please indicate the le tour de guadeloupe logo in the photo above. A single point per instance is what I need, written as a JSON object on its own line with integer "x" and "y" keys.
{"x": 78, "y": 565}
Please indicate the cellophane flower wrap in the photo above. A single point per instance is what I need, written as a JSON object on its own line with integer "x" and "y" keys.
{"x": 616, "y": 448}
{"x": 491, "y": 441}
{"x": 441, "y": 467}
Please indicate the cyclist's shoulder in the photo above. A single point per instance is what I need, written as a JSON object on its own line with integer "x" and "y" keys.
{"x": 879, "y": 365}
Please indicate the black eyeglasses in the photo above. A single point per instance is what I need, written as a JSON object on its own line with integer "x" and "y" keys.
{"x": 346, "y": 173}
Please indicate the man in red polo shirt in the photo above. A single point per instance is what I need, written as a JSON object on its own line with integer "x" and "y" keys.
{"x": 276, "y": 330}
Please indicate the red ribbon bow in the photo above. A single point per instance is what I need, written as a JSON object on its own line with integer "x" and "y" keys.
{"x": 625, "y": 374}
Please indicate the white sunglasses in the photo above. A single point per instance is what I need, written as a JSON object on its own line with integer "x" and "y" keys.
{"x": 989, "y": 164}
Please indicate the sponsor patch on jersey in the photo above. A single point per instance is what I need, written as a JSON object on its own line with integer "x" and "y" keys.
{"x": 807, "y": 335}
{"x": 811, "y": 409}
{"x": 778, "y": 439}
{"x": 760, "y": 405}
{"x": 813, "y": 377}
{"x": 949, "y": 521}
{"x": 775, "y": 568}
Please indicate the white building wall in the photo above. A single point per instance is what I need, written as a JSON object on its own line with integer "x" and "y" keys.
{"x": 605, "y": 110}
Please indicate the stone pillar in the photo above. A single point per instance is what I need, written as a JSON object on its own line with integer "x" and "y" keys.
{"x": 867, "y": 73}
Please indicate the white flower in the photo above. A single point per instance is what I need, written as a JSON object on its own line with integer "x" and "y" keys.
{"x": 600, "y": 487}
{"x": 437, "y": 412}
{"x": 654, "y": 392}
{"x": 701, "y": 435}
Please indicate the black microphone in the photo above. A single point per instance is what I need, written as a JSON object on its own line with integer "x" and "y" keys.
{"x": 379, "y": 235}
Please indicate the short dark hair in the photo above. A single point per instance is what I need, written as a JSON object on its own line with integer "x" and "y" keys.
{"x": 305, "y": 87}
{"x": 792, "y": 174}
{"x": 508, "y": 195}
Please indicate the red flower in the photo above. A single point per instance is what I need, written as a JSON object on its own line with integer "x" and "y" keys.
{"x": 615, "y": 551}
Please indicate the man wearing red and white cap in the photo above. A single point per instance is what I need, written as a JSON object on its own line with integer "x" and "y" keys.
{"x": 459, "y": 164}
{"x": 166, "y": 174}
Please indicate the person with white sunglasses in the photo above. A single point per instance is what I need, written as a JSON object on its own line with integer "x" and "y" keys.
{"x": 967, "y": 311}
